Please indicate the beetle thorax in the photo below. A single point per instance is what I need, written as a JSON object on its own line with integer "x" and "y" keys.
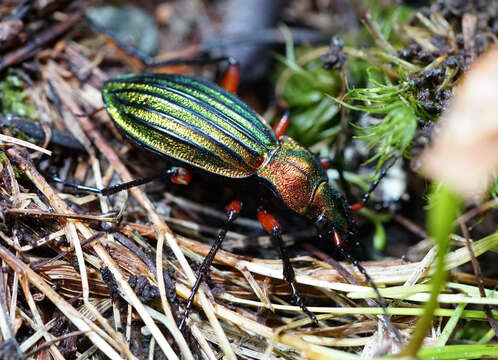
{"x": 294, "y": 173}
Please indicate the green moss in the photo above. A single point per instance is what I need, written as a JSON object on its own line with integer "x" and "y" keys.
{"x": 14, "y": 99}
{"x": 392, "y": 133}
{"x": 3, "y": 157}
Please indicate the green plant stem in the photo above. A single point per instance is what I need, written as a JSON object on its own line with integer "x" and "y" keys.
{"x": 487, "y": 337}
{"x": 459, "y": 352}
{"x": 441, "y": 216}
{"x": 450, "y": 325}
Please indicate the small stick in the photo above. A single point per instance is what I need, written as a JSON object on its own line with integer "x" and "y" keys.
{"x": 41, "y": 213}
{"x": 45, "y": 37}
{"x": 478, "y": 273}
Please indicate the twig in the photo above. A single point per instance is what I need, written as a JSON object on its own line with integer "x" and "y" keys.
{"x": 40, "y": 213}
{"x": 53, "y": 341}
{"x": 477, "y": 211}
{"x": 478, "y": 273}
{"x": 44, "y": 38}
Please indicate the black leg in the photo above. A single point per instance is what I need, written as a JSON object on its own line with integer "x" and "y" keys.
{"x": 171, "y": 173}
{"x": 289, "y": 275}
{"x": 382, "y": 303}
{"x": 374, "y": 185}
{"x": 232, "y": 213}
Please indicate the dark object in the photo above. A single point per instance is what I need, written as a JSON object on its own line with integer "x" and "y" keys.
{"x": 145, "y": 291}
{"x": 34, "y": 130}
{"x": 410, "y": 52}
{"x": 110, "y": 281}
{"x": 335, "y": 57}
{"x": 451, "y": 62}
{"x": 244, "y": 17}
{"x": 427, "y": 79}
{"x": 425, "y": 56}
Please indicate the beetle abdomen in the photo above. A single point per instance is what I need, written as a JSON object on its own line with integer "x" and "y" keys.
{"x": 190, "y": 120}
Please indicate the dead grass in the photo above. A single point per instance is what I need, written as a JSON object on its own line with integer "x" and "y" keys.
{"x": 68, "y": 260}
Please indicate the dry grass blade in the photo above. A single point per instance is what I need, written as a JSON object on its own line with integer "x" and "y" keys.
{"x": 62, "y": 207}
{"x": 76, "y": 318}
{"x": 26, "y": 144}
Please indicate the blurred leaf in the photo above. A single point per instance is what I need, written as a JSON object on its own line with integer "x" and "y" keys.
{"x": 379, "y": 238}
{"x": 305, "y": 91}
{"x": 387, "y": 16}
{"x": 443, "y": 210}
{"x": 312, "y": 124}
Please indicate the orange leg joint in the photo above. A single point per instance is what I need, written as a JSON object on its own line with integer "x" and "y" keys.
{"x": 337, "y": 239}
{"x": 230, "y": 81}
{"x": 268, "y": 221}
{"x": 357, "y": 206}
{"x": 326, "y": 163}
{"x": 235, "y": 206}
{"x": 181, "y": 176}
{"x": 281, "y": 125}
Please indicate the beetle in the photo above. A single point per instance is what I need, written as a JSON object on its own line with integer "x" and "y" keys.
{"x": 207, "y": 127}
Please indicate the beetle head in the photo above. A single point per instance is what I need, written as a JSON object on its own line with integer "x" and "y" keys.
{"x": 331, "y": 214}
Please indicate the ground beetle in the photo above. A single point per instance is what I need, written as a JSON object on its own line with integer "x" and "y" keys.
{"x": 206, "y": 126}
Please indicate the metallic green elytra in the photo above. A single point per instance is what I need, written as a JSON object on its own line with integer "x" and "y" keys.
{"x": 190, "y": 120}
{"x": 201, "y": 124}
